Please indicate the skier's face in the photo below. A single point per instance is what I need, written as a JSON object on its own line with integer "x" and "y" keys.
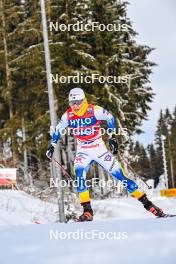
{"x": 76, "y": 107}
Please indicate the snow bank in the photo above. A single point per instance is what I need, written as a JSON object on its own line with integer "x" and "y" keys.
{"x": 17, "y": 207}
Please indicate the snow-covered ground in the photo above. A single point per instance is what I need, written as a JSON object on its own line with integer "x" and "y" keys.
{"x": 123, "y": 232}
{"x": 17, "y": 207}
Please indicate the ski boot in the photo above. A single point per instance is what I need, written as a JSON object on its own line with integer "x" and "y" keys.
{"x": 87, "y": 213}
{"x": 149, "y": 206}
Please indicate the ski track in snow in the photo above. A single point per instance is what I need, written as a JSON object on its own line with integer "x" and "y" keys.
{"x": 147, "y": 240}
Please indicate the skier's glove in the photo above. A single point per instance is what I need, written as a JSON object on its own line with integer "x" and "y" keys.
{"x": 50, "y": 152}
{"x": 113, "y": 144}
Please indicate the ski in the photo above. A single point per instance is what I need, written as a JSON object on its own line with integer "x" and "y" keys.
{"x": 167, "y": 215}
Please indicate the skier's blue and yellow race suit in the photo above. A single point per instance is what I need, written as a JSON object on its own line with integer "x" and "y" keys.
{"x": 91, "y": 147}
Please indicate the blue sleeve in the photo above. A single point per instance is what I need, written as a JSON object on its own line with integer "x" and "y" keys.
{"x": 59, "y": 128}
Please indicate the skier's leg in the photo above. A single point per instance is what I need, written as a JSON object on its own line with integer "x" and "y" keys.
{"x": 81, "y": 165}
{"x": 114, "y": 168}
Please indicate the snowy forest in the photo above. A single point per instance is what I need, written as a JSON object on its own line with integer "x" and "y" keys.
{"x": 24, "y": 107}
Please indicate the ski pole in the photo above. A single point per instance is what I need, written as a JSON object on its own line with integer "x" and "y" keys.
{"x": 63, "y": 169}
{"x": 135, "y": 173}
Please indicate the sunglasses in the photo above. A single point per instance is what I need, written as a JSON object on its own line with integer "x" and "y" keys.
{"x": 77, "y": 102}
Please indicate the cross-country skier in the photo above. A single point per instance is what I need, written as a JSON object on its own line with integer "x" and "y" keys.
{"x": 86, "y": 119}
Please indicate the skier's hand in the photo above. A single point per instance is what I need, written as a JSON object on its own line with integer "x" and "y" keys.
{"x": 113, "y": 144}
{"x": 50, "y": 152}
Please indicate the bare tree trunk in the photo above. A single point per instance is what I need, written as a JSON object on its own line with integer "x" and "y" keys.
{"x": 171, "y": 163}
{"x": 56, "y": 169}
{"x": 102, "y": 178}
{"x": 27, "y": 175}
